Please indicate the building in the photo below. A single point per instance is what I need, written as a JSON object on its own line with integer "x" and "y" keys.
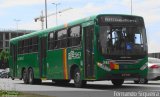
{"x": 154, "y": 55}
{"x": 6, "y": 35}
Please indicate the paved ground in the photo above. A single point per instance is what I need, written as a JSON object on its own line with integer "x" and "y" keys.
{"x": 92, "y": 89}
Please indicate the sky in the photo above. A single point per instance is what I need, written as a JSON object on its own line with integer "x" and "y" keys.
{"x": 27, "y": 10}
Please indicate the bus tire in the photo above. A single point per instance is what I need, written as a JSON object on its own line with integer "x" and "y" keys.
{"x": 136, "y": 81}
{"x": 20, "y": 78}
{"x": 12, "y": 78}
{"x": 117, "y": 82}
{"x": 143, "y": 81}
{"x": 77, "y": 79}
{"x": 31, "y": 76}
{"x": 25, "y": 76}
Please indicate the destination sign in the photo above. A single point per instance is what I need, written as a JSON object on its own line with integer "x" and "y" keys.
{"x": 113, "y": 19}
{"x": 119, "y": 19}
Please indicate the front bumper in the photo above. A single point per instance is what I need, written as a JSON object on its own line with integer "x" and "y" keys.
{"x": 123, "y": 76}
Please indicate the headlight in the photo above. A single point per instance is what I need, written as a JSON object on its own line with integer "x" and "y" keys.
{"x": 144, "y": 66}
{"x": 103, "y": 66}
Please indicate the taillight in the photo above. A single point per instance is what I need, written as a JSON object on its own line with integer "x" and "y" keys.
{"x": 154, "y": 66}
{"x": 111, "y": 65}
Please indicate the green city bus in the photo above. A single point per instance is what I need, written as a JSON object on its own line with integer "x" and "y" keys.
{"x": 100, "y": 47}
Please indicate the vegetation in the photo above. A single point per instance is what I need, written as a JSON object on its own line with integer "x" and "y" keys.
{"x": 18, "y": 94}
{"x": 4, "y": 57}
{"x": 5, "y": 93}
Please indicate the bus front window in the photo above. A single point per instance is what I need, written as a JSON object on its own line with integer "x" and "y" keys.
{"x": 122, "y": 40}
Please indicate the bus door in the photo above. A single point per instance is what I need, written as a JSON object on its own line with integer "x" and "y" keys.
{"x": 14, "y": 59}
{"x": 42, "y": 57}
{"x": 88, "y": 32}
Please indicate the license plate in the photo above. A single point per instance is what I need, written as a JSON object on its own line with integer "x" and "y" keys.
{"x": 126, "y": 75}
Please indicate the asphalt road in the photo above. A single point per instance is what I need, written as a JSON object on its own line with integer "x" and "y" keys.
{"x": 92, "y": 89}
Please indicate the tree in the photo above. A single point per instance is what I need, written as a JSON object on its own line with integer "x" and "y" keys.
{"x": 4, "y": 57}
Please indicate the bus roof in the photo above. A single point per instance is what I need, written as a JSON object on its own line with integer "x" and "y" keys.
{"x": 76, "y": 22}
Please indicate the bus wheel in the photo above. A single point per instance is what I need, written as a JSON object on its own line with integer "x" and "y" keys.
{"x": 117, "y": 82}
{"x": 25, "y": 76}
{"x": 143, "y": 81}
{"x": 136, "y": 81}
{"x": 31, "y": 76}
{"x": 77, "y": 79}
{"x": 12, "y": 78}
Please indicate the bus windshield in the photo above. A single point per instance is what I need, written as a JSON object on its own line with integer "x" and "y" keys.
{"x": 123, "y": 40}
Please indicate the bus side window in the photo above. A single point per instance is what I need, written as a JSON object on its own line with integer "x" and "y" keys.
{"x": 30, "y": 45}
{"x": 55, "y": 40}
{"x": 75, "y": 36}
{"x": 51, "y": 42}
{"x": 26, "y": 43}
{"x": 35, "y": 44}
{"x": 62, "y": 38}
{"x": 20, "y": 47}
